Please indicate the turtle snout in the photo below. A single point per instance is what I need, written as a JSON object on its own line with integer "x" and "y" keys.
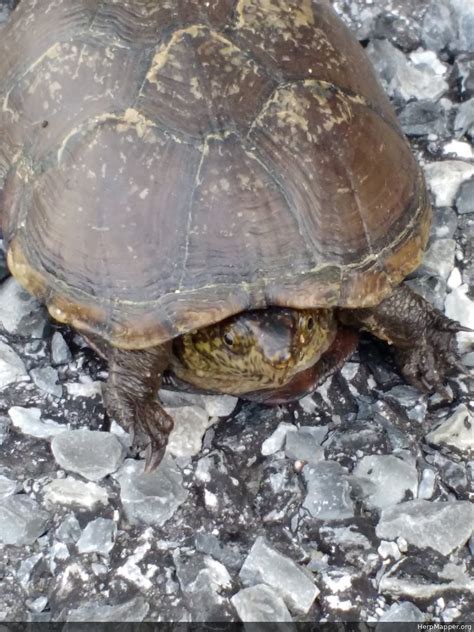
{"x": 274, "y": 336}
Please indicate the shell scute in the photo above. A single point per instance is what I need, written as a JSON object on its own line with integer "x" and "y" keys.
{"x": 200, "y": 82}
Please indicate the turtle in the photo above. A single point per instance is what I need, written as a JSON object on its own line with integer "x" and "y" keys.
{"x": 217, "y": 195}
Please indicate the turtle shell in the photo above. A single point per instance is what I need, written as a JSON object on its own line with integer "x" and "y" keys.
{"x": 169, "y": 163}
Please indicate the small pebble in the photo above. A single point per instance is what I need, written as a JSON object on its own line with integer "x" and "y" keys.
{"x": 276, "y": 440}
{"x": 22, "y": 520}
{"x": 260, "y": 604}
{"x": 153, "y": 498}
{"x": 386, "y": 480}
{"x": 131, "y": 611}
{"x": 190, "y": 425}
{"x": 266, "y": 565}
{"x": 456, "y": 432}
{"x": 445, "y": 177}
{"x": 60, "y": 352}
{"x": 98, "y": 537}
{"x": 20, "y": 313}
{"x": 46, "y": 379}
{"x": 70, "y": 491}
{"x": 329, "y": 491}
{"x": 29, "y": 422}
{"x": 443, "y": 526}
{"x": 90, "y": 453}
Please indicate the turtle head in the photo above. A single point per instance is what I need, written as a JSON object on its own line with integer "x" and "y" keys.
{"x": 254, "y": 350}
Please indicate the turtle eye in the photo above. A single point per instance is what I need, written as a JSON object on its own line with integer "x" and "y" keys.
{"x": 228, "y": 340}
{"x": 310, "y": 323}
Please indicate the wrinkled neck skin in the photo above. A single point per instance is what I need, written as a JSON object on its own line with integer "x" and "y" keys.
{"x": 254, "y": 351}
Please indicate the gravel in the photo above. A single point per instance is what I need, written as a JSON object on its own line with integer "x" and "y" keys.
{"x": 82, "y": 451}
{"x": 266, "y": 565}
{"x": 22, "y": 520}
{"x": 441, "y": 526}
{"x": 98, "y": 537}
{"x": 260, "y": 604}
{"x": 353, "y": 504}
{"x": 150, "y": 498}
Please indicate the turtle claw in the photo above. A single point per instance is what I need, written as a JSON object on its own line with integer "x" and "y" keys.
{"x": 446, "y": 324}
{"x": 153, "y": 457}
{"x": 433, "y": 357}
{"x": 154, "y": 427}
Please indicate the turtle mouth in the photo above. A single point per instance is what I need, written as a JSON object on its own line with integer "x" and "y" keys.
{"x": 306, "y": 381}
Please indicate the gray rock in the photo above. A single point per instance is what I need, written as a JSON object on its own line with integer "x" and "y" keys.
{"x": 70, "y": 491}
{"x": 46, "y": 379}
{"x": 406, "y": 396}
{"x": 328, "y": 496}
{"x": 266, "y": 565}
{"x": 413, "y": 578}
{"x": 427, "y": 483}
{"x": 464, "y": 71}
{"x": 465, "y": 198}
{"x": 452, "y": 474}
{"x": 84, "y": 388}
{"x": 90, "y": 453}
{"x": 454, "y": 279}
{"x": 420, "y": 118}
{"x": 460, "y": 307}
{"x": 60, "y": 352}
{"x": 12, "y": 368}
{"x": 37, "y": 605}
{"x": 190, "y": 425}
{"x": 219, "y": 405}
{"x": 26, "y": 568}
{"x": 445, "y": 223}
{"x": 439, "y": 258}
{"x": 229, "y": 554}
{"x": 28, "y": 421}
{"x": 439, "y": 28}
{"x": 405, "y": 80}
{"x": 98, "y": 537}
{"x": 303, "y": 446}
{"x": 276, "y": 440}
{"x": 443, "y": 526}
{"x": 457, "y": 431}
{"x": 8, "y": 487}
{"x": 5, "y": 424}
{"x": 386, "y": 480}
{"x": 22, "y": 520}
{"x": 468, "y": 360}
{"x": 389, "y": 549}
{"x": 134, "y": 610}
{"x": 463, "y": 11}
{"x": 132, "y": 572}
{"x": 150, "y": 498}
{"x": 260, "y": 604}
{"x": 214, "y": 405}
{"x": 433, "y": 289}
{"x": 319, "y": 433}
{"x": 202, "y": 580}
{"x": 464, "y": 121}
{"x": 404, "y": 611}
{"x": 69, "y": 531}
{"x": 445, "y": 177}
{"x": 20, "y": 313}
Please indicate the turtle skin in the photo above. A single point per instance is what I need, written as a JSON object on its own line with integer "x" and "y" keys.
{"x": 167, "y": 166}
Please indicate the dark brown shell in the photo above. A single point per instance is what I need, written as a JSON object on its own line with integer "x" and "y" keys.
{"x": 169, "y": 163}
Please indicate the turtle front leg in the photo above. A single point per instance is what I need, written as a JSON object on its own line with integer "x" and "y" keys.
{"x": 423, "y": 338}
{"x": 130, "y": 398}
